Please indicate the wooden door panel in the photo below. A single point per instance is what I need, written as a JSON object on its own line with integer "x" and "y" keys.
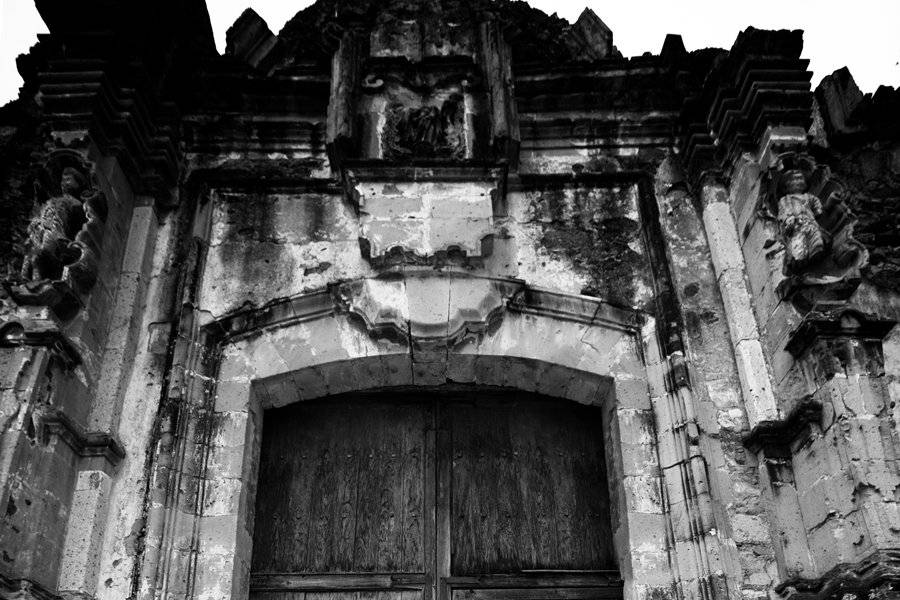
{"x": 402, "y": 496}
{"x": 340, "y": 595}
{"x": 528, "y": 488}
{"x": 341, "y": 489}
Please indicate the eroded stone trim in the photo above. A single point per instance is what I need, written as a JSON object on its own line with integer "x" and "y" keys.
{"x": 774, "y": 438}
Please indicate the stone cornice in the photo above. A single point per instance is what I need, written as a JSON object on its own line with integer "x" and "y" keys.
{"x": 761, "y": 82}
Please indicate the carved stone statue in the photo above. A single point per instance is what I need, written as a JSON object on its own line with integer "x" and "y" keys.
{"x": 807, "y": 206}
{"x": 64, "y": 239}
{"x": 805, "y": 240}
{"x": 51, "y": 235}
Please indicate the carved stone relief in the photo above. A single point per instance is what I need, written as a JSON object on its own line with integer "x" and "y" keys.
{"x": 65, "y": 237}
{"x": 417, "y": 115}
{"x": 427, "y": 131}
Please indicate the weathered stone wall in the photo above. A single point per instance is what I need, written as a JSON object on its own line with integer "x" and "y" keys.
{"x": 457, "y": 193}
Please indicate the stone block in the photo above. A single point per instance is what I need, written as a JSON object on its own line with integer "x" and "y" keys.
{"x": 735, "y": 297}
{"x": 141, "y": 239}
{"x": 631, "y": 393}
{"x": 643, "y": 492}
{"x": 724, "y": 248}
{"x": 84, "y": 533}
{"x": 759, "y": 401}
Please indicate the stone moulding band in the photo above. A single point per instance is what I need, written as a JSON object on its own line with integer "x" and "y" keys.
{"x": 355, "y": 298}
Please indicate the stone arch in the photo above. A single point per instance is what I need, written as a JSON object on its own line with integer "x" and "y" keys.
{"x": 568, "y": 347}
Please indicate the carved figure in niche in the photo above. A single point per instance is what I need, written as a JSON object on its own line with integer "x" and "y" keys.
{"x": 51, "y": 235}
{"x": 806, "y": 204}
{"x": 64, "y": 238}
{"x": 805, "y": 240}
{"x": 426, "y": 131}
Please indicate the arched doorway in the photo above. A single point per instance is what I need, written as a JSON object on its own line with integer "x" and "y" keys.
{"x": 453, "y": 492}
{"x": 314, "y": 347}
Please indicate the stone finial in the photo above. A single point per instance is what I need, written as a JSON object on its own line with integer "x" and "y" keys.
{"x": 596, "y": 36}
{"x": 249, "y": 39}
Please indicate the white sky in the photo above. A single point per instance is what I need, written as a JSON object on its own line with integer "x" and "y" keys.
{"x": 863, "y": 34}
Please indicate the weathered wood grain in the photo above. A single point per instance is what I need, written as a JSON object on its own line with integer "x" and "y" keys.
{"x": 529, "y": 487}
{"x": 341, "y": 489}
{"x": 396, "y": 496}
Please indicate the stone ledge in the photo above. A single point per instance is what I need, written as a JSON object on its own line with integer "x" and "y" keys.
{"x": 83, "y": 443}
{"x": 877, "y": 576}
{"x": 774, "y": 437}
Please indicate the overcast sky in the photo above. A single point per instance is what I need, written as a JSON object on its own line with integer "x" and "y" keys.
{"x": 861, "y": 34}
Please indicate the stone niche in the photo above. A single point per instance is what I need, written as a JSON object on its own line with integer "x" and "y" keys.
{"x": 422, "y": 113}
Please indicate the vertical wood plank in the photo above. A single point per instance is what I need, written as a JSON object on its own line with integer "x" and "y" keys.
{"x": 341, "y": 488}
{"x": 529, "y": 487}
{"x": 430, "y": 519}
{"x": 443, "y": 466}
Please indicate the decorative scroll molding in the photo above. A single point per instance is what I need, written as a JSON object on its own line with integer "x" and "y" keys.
{"x": 410, "y": 308}
{"x": 877, "y": 576}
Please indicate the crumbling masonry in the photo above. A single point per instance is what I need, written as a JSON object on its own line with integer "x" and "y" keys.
{"x": 465, "y": 201}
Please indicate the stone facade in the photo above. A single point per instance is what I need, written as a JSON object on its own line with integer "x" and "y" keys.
{"x": 452, "y": 192}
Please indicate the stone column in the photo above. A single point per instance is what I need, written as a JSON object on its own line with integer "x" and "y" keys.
{"x": 728, "y": 261}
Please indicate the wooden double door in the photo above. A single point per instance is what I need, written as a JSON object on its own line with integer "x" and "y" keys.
{"x": 432, "y": 495}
